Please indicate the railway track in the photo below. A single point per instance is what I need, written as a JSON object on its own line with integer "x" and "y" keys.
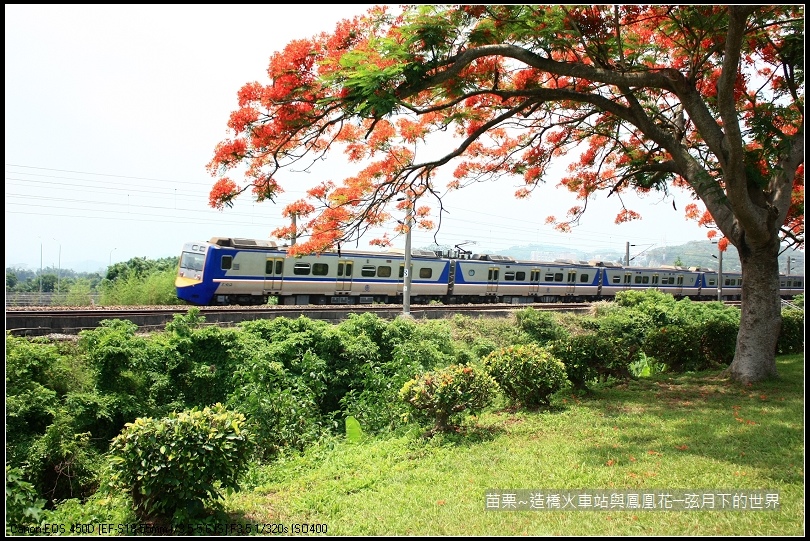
{"x": 43, "y": 321}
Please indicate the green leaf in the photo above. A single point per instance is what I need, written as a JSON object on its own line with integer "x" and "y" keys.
{"x": 354, "y": 433}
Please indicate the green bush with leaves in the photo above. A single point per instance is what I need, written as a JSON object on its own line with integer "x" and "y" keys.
{"x": 24, "y": 507}
{"x": 718, "y": 339}
{"x": 44, "y": 432}
{"x": 791, "y": 335}
{"x": 581, "y": 355}
{"x": 677, "y": 346}
{"x": 191, "y": 367}
{"x": 30, "y": 404}
{"x": 528, "y": 375}
{"x": 375, "y": 402}
{"x": 280, "y": 405}
{"x": 541, "y": 326}
{"x": 174, "y": 466}
{"x": 447, "y": 394}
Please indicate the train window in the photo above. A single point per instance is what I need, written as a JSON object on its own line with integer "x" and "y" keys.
{"x": 369, "y": 271}
{"x": 638, "y": 278}
{"x": 583, "y": 278}
{"x": 301, "y": 269}
{"x": 558, "y": 277}
{"x": 797, "y": 283}
{"x": 349, "y": 269}
{"x": 192, "y": 261}
{"x": 520, "y": 276}
{"x": 268, "y": 266}
{"x": 227, "y": 262}
{"x": 320, "y": 269}
{"x": 655, "y": 279}
{"x": 672, "y": 280}
{"x": 493, "y": 274}
{"x": 627, "y": 278}
{"x": 425, "y": 272}
{"x": 739, "y": 281}
{"x": 680, "y": 280}
{"x": 617, "y": 279}
{"x": 402, "y": 270}
{"x": 572, "y": 276}
{"x": 728, "y": 282}
{"x": 645, "y": 279}
{"x": 711, "y": 281}
{"x": 340, "y": 269}
{"x": 509, "y": 276}
{"x": 383, "y": 271}
{"x": 279, "y": 266}
{"x": 550, "y": 277}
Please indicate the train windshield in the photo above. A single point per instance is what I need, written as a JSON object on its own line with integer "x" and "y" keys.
{"x": 192, "y": 261}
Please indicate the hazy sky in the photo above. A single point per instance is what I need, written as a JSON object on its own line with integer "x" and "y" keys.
{"x": 113, "y": 111}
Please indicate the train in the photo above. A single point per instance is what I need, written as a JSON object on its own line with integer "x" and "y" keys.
{"x": 236, "y": 271}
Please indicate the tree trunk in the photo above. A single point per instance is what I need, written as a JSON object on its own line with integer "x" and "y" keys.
{"x": 760, "y": 318}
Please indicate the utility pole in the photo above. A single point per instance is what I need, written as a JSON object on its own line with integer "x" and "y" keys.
{"x": 294, "y": 218}
{"x": 720, "y": 275}
{"x": 406, "y": 288}
{"x": 59, "y": 271}
{"x": 627, "y": 254}
{"x": 406, "y": 274}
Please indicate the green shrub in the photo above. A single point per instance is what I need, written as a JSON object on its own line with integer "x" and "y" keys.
{"x": 677, "y": 346}
{"x": 718, "y": 339}
{"x": 528, "y": 375}
{"x": 86, "y": 516}
{"x": 541, "y": 326}
{"x": 191, "y": 367}
{"x": 23, "y": 505}
{"x": 280, "y": 406}
{"x": 582, "y": 355}
{"x": 173, "y": 466}
{"x": 375, "y": 402}
{"x": 30, "y": 404}
{"x": 63, "y": 462}
{"x": 44, "y": 432}
{"x": 791, "y": 335}
{"x": 445, "y": 395}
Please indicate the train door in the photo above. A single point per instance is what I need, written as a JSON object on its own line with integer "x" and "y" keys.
{"x": 273, "y": 274}
{"x": 534, "y": 282}
{"x": 492, "y": 279}
{"x": 345, "y": 270}
{"x": 678, "y": 289}
{"x": 627, "y": 280}
{"x": 571, "y": 282}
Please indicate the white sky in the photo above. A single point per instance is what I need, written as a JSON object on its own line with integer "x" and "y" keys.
{"x": 113, "y": 111}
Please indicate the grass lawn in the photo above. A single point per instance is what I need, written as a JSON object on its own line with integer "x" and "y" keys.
{"x": 692, "y": 432}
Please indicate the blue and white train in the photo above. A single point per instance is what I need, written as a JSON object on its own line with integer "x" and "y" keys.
{"x": 234, "y": 271}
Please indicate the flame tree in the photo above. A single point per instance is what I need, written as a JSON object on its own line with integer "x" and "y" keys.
{"x": 644, "y": 98}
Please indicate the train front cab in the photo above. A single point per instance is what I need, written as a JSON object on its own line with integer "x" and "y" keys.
{"x": 189, "y": 282}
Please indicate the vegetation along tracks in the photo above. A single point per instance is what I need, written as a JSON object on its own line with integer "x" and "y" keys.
{"x": 48, "y": 320}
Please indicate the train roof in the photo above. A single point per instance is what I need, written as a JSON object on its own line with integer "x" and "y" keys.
{"x": 261, "y": 244}
{"x": 232, "y": 242}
